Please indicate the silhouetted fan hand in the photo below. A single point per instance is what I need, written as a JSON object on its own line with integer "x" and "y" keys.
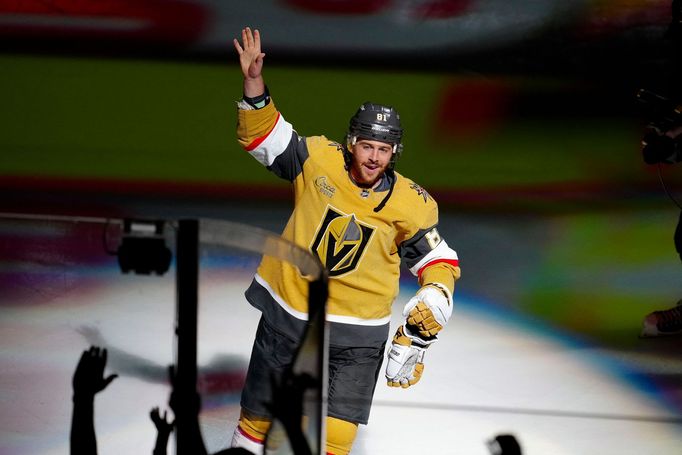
{"x": 88, "y": 378}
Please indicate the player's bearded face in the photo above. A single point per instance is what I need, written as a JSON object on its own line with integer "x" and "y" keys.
{"x": 369, "y": 161}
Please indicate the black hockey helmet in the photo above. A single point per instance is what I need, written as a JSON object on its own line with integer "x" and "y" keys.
{"x": 376, "y": 122}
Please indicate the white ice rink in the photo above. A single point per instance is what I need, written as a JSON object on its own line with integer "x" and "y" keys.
{"x": 490, "y": 373}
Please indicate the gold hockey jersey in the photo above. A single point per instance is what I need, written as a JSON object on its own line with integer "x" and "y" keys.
{"x": 362, "y": 248}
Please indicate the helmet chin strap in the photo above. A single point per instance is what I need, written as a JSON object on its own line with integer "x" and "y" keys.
{"x": 390, "y": 174}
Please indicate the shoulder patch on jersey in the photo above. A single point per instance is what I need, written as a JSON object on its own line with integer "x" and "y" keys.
{"x": 421, "y": 191}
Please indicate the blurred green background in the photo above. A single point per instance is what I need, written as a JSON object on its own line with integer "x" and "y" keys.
{"x": 175, "y": 122}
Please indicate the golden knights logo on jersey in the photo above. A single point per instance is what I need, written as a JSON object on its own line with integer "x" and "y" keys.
{"x": 340, "y": 241}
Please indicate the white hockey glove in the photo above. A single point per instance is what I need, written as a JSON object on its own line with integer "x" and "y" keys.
{"x": 429, "y": 310}
{"x": 405, "y": 363}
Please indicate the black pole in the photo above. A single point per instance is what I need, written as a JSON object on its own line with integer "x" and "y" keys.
{"x": 318, "y": 292}
{"x": 187, "y": 294}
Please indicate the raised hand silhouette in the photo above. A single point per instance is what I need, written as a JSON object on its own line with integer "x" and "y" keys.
{"x": 163, "y": 430}
{"x": 88, "y": 380}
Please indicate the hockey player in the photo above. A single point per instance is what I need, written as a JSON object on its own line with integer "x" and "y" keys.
{"x": 361, "y": 218}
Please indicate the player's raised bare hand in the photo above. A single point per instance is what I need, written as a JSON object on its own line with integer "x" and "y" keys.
{"x": 250, "y": 55}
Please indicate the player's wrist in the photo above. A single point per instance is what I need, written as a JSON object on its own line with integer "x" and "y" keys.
{"x": 258, "y": 99}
